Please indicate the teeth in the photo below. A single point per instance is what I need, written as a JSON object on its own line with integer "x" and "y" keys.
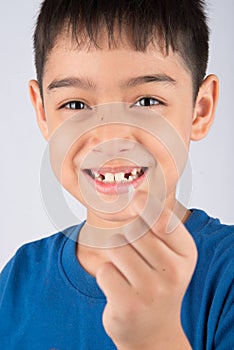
{"x": 118, "y": 177}
{"x": 99, "y": 178}
{"x": 109, "y": 177}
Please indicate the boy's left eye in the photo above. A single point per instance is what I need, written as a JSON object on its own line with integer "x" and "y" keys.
{"x": 147, "y": 102}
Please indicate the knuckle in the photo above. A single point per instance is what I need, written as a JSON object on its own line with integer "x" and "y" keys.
{"x": 177, "y": 276}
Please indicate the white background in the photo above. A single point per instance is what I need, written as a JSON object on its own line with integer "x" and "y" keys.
{"x": 22, "y": 215}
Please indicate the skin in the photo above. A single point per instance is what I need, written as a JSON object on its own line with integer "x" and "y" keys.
{"x": 144, "y": 281}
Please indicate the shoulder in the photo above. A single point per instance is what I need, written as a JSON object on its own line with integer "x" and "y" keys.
{"x": 210, "y": 295}
{"x": 208, "y": 230}
{"x": 36, "y": 256}
{"x": 36, "y": 251}
{"x": 215, "y": 245}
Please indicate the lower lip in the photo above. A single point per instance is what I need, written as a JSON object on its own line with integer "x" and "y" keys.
{"x": 114, "y": 188}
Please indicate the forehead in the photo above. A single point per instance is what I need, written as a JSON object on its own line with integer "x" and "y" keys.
{"x": 67, "y": 58}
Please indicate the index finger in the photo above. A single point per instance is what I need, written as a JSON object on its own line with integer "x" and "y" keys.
{"x": 162, "y": 221}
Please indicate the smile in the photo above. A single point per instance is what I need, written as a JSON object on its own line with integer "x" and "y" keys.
{"x": 116, "y": 180}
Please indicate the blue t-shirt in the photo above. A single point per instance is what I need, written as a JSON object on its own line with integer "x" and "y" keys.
{"x": 48, "y": 301}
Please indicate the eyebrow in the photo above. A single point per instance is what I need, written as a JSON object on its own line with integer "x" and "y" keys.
{"x": 152, "y": 78}
{"x": 82, "y": 83}
{"x": 87, "y": 84}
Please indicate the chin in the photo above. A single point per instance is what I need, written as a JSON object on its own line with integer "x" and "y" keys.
{"x": 115, "y": 219}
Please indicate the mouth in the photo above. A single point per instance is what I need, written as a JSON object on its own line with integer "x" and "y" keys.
{"x": 113, "y": 180}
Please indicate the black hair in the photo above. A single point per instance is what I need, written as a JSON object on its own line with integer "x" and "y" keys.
{"x": 177, "y": 24}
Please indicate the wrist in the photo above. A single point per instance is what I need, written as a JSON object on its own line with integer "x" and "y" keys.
{"x": 178, "y": 341}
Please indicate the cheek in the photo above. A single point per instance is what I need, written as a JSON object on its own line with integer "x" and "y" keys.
{"x": 72, "y": 164}
{"x": 65, "y": 157}
{"x": 170, "y": 158}
{"x": 70, "y": 170}
{"x": 182, "y": 119}
{"x": 54, "y": 118}
{"x": 70, "y": 180}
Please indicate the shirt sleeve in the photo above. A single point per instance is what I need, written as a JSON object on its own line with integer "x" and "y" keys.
{"x": 224, "y": 335}
{"x": 4, "y": 279}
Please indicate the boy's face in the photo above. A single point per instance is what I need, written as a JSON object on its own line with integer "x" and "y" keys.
{"x": 76, "y": 79}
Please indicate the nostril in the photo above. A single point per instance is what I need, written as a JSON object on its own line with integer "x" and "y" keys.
{"x": 97, "y": 150}
{"x": 114, "y": 147}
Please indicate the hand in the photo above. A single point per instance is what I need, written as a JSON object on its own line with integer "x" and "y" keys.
{"x": 145, "y": 282}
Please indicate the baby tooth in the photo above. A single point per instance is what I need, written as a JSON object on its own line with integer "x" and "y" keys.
{"x": 139, "y": 172}
{"x": 130, "y": 178}
{"x": 119, "y": 177}
{"x": 109, "y": 177}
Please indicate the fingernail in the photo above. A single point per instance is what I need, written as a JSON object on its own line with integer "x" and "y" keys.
{"x": 130, "y": 192}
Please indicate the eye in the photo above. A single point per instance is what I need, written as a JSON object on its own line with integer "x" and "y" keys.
{"x": 74, "y": 105}
{"x": 147, "y": 102}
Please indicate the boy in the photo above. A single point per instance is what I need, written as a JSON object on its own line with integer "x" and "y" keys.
{"x": 162, "y": 283}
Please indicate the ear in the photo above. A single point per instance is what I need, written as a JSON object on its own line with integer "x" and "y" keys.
{"x": 36, "y": 98}
{"x": 205, "y": 107}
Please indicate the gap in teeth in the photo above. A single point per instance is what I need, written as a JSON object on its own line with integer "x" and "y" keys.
{"x": 117, "y": 177}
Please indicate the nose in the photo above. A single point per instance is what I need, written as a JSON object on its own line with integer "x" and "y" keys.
{"x": 114, "y": 147}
